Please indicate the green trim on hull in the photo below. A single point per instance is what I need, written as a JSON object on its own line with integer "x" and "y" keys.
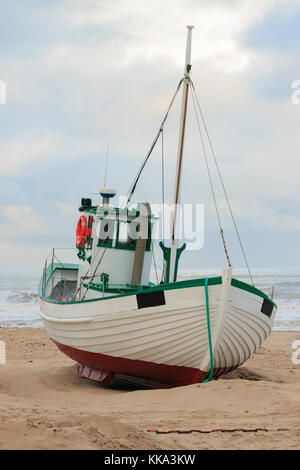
{"x": 212, "y": 281}
{"x": 253, "y": 290}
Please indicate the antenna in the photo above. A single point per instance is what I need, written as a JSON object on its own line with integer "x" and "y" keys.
{"x": 106, "y": 165}
{"x": 106, "y": 192}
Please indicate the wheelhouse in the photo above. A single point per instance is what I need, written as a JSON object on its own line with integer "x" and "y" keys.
{"x": 117, "y": 248}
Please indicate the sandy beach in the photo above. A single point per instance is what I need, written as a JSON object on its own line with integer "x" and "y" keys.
{"x": 45, "y": 405}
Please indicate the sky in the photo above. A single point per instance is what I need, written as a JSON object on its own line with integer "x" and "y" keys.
{"x": 80, "y": 75}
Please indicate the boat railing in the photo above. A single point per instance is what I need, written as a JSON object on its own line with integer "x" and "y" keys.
{"x": 269, "y": 291}
{"x": 57, "y": 256}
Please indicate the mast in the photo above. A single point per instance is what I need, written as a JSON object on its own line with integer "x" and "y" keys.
{"x": 174, "y": 253}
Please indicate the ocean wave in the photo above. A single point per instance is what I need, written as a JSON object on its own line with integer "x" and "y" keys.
{"x": 14, "y": 315}
{"x": 23, "y": 297}
{"x": 18, "y": 297}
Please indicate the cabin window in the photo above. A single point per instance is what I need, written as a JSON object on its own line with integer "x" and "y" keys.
{"x": 148, "y": 248}
{"x": 124, "y": 239}
{"x": 106, "y": 232}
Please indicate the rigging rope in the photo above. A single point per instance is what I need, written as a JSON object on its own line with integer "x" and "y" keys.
{"x": 154, "y": 262}
{"x": 222, "y": 182}
{"x": 163, "y": 185}
{"x": 90, "y": 267}
{"x": 136, "y": 179}
{"x": 131, "y": 190}
{"x": 163, "y": 200}
{"x": 98, "y": 264}
{"x": 210, "y": 181}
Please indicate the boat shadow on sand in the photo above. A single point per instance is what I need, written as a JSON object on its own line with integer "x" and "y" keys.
{"x": 246, "y": 373}
{"x": 241, "y": 373}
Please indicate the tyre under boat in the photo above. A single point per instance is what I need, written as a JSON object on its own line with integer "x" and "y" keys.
{"x": 159, "y": 338}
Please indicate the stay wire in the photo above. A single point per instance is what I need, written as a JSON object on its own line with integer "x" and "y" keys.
{"x": 137, "y": 177}
{"x": 163, "y": 196}
{"x": 210, "y": 181}
{"x": 222, "y": 182}
{"x": 163, "y": 185}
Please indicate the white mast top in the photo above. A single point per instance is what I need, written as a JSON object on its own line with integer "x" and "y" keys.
{"x": 188, "y": 48}
{"x": 175, "y": 221}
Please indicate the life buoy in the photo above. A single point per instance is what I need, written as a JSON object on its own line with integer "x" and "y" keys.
{"x": 89, "y": 231}
{"x": 81, "y": 231}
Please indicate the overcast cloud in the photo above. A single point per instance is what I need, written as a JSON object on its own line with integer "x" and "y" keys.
{"x": 81, "y": 74}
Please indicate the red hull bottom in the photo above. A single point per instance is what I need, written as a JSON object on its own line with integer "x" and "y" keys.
{"x": 114, "y": 379}
{"x": 113, "y": 370}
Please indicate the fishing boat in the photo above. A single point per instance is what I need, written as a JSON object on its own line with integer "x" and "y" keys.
{"x": 104, "y": 312}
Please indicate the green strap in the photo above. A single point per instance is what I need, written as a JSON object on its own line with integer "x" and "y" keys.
{"x": 209, "y": 334}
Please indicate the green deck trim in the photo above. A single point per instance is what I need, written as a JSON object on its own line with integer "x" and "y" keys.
{"x": 99, "y": 210}
{"x": 141, "y": 289}
{"x": 253, "y": 290}
{"x": 152, "y": 288}
{"x": 114, "y": 288}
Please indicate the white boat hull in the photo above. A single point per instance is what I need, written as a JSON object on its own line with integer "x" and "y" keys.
{"x": 166, "y": 343}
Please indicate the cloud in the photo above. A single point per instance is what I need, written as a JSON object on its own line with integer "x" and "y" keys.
{"x": 29, "y": 150}
{"x": 278, "y": 30}
{"x": 23, "y": 222}
{"x": 66, "y": 208}
{"x": 80, "y": 75}
{"x": 23, "y": 256}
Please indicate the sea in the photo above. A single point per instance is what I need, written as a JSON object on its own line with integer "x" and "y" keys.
{"x": 19, "y": 301}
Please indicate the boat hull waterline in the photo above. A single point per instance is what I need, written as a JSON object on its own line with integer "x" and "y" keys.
{"x": 166, "y": 344}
